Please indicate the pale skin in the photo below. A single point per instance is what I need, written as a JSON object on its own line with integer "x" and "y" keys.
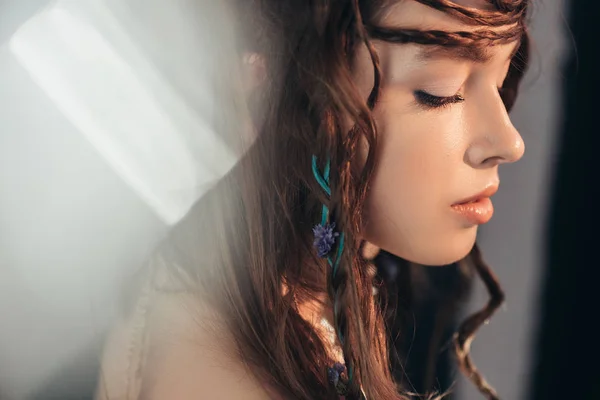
{"x": 428, "y": 160}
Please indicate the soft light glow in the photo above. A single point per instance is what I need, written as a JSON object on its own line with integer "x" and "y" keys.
{"x": 88, "y": 65}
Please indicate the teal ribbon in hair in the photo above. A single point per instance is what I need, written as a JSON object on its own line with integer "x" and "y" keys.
{"x": 324, "y": 233}
{"x": 324, "y": 240}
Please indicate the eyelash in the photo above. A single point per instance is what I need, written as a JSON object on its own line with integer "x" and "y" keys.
{"x": 430, "y": 101}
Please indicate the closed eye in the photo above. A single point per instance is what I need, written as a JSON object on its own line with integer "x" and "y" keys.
{"x": 430, "y": 101}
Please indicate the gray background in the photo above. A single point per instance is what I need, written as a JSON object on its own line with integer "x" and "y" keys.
{"x": 71, "y": 229}
{"x": 513, "y": 240}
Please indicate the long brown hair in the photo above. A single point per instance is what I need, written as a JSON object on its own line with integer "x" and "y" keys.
{"x": 256, "y": 262}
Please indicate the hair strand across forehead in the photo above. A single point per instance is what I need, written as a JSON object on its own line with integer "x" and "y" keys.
{"x": 505, "y": 12}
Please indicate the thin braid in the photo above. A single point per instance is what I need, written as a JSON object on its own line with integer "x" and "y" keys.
{"x": 345, "y": 291}
{"x": 506, "y": 13}
{"x": 442, "y": 38}
{"x": 466, "y": 332}
{"x": 337, "y": 277}
{"x": 341, "y": 272}
{"x": 342, "y": 291}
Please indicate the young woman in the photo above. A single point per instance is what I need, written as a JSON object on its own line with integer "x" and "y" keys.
{"x": 376, "y": 124}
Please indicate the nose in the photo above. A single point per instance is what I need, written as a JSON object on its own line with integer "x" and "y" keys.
{"x": 495, "y": 140}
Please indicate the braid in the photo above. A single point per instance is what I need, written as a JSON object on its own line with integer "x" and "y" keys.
{"x": 510, "y": 11}
{"x": 351, "y": 195}
{"x": 442, "y": 38}
{"x": 507, "y": 13}
{"x": 349, "y": 320}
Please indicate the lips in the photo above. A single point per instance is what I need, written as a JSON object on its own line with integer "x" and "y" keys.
{"x": 487, "y": 192}
{"x": 477, "y": 209}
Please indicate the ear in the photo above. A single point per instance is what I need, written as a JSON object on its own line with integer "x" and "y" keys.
{"x": 253, "y": 76}
{"x": 254, "y": 71}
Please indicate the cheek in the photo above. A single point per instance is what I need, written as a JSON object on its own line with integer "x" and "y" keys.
{"x": 408, "y": 209}
{"x": 419, "y": 154}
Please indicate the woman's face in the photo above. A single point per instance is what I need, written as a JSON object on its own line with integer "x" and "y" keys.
{"x": 443, "y": 132}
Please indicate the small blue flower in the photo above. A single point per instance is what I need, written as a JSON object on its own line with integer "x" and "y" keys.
{"x": 333, "y": 375}
{"x": 324, "y": 238}
{"x": 339, "y": 367}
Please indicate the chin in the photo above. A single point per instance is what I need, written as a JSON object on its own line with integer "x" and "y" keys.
{"x": 439, "y": 252}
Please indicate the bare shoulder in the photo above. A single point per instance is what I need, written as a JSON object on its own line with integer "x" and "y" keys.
{"x": 169, "y": 344}
{"x": 192, "y": 356}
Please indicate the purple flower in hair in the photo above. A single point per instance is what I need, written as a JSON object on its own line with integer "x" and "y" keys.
{"x": 339, "y": 367}
{"x": 334, "y": 375}
{"x": 324, "y": 238}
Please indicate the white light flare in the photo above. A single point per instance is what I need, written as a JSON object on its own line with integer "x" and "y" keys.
{"x": 100, "y": 80}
